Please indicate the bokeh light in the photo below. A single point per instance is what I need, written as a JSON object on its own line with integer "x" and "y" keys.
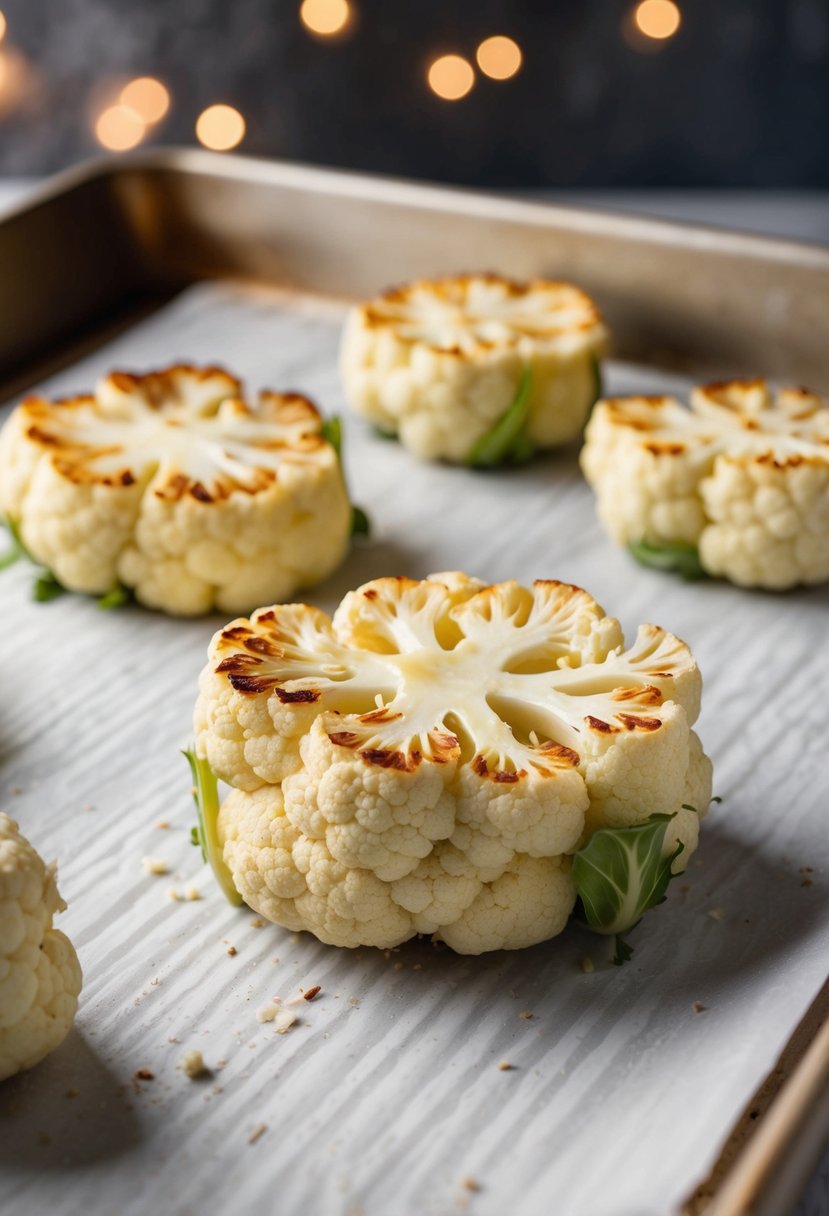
{"x": 148, "y": 97}
{"x": 499, "y": 57}
{"x": 3, "y": 25}
{"x": 324, "y": 17}
{"x": 119, "y": 128}
{"x": 220, "y": 128}
{"x": 658, "y": 19}
{"x": 451, "y": 77}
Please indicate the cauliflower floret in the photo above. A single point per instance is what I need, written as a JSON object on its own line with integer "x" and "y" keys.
{"x": 428, "y": 761}
{"x": 171, "y": 485}
{"x": 439, "y": 362}
{"x": 40, "y": 976}
{"x": 741, "y": 476}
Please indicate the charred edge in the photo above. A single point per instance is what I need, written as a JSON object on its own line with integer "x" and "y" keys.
{"x": 604, "y": 728}
{"x": 443, "y": 745}
{"x": 631, "y": 722}
{"x": 370, "y": 594}
{"x": 237, "y": 664}
{"x": 127, "y": 478}
{"x": 379, "y": 715}
{"x": 235, "y": 631}
{"x": 649, "y": 695}
{"x": 200, "y": 492}
{"x": 662, "y": 675}
{"x": 261, "y": 646}
{"x": 343, "y": 738}
{"x": 251, "y": 684}
{"x": 568, "y": 590}
{"x": 384, "y": 758}
{"x": 664, "y": 449}
{"x": 299, "y": 696}
{"x": 267, "y": 615}
{"x": 500, "y": 776}
{"x": 559, "y": 752}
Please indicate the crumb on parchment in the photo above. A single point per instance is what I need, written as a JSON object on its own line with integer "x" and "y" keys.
{"x": 257, "y": 1133}
{"x": 505, "y": 1066}
{"x": 193, "y": 1066}
{"x": 155, "y": 865}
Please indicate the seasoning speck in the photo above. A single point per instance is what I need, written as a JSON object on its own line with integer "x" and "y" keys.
{"x": 144, "y": 1074}
{"x": 232, "y": 951}
{"x": 192, "y": 1065}
{"x": 587, "y": 965}
{"x": 505, "y": 1066}
{"x": 257, "y": 1133}
{"x": 698, "y": 1007}
{"x": 526, "y": 1014}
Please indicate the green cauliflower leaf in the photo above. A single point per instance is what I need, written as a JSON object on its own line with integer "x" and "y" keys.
{"x": 206, "y": 798}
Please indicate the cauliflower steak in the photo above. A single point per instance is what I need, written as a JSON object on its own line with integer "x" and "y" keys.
{"x": 741, "y": 476}
{"x": 170, "y": 484}
{"x": 428, "y": 761}
{"x": 40, "y": 976}
{"x": 439, "y": 362}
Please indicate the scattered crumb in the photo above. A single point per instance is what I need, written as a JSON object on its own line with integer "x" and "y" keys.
{"x": 87, "y": 806}
{"x": 717, "y": 913}
{"x": 806, "y": 870}
{"x": 526, "y": 1014}
{"x": 72, "y": 1093}
{"x": 191, "y": 893}
{"x": 16, "y": 789}
{"x": 155, "y": 865}
{"x": 173, "y": 1039}
{"x": 285, "y": 1019}
{"x": 587, "y": 965}
{"x": 267, "y": 1013}
{"x": 398, "y": 966}
{"x": 174, "y": 895}
{"x": 469, "y": 1184}
{"x": 417, "y": 967}
{"x": 258, "y": 923}
{"x": 310, "y": 993}
{"x": 193, "y": 1066}
{"x": 257, "y": 1133}
{"x": 144, "y": 1074}
{"x": 698, "y": 1007}
{"x": 163, "y": 825}
{"x": 352, "y": 1000}
{"x": 806, "y": 882}
{"x": 505, "y": 1066}
{"x": 387, "y": 954}
{"x": 232, "y": 951}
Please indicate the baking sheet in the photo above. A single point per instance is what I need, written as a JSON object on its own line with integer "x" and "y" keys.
{"x": 387, "y": 1097}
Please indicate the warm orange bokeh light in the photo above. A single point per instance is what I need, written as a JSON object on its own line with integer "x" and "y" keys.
{"x": 657, "y": 18}
{"x": 119, "y": 128}
{"x": 451, "y": 77}
{"x": 325, "y": 17}
{"x": 3, "y": 26}
{"x": 499, "y": 57}
{"x": 220, "y": 128}
{"x": 148, "y": 97}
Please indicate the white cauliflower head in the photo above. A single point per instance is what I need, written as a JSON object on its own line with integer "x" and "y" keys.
{"x": 40, "y": 976}
{"x": 428, "y": 761}
{"x": 440, "y": 361}
{"x": 175, "y": 487}
{"x": 742, "y": 476}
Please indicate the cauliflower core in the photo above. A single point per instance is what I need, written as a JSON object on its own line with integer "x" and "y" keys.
{"x": 427, "y": 761}
{"x": 741, "y": 475}
{"x": 40, "y": 976}
{"x": 439, "y": 362}
{"x": 172, "y": 485}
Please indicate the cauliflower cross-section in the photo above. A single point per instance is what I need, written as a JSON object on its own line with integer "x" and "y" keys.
{"x": 428, "y": 761}
{"x": 742, "y": 476}
{"x": 40, "y": 976}
{"x": 172, "y": 485}
{"x": 439, "y": 362}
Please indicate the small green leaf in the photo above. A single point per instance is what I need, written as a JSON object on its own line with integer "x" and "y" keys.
{"x": 17, "y": 549}
{"x": 332, "y": 431}
{"x": 116, "y": 598}
{"x": 506, "y": 441}
{"x": 379, "y": 433}
{"x": 677, "y": 556}
{"x": 623, "y": 951}
{"x": 195, "y": 839}
{"x": 360, "y": 522}
{"x": 620, "y": 873}
{"x": 206, "y": 797}
{"x": 46, "y": 587}
{"x": 596, "y": 368}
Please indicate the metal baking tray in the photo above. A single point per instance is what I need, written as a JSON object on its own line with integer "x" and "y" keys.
{"x": 388, "y": 1098}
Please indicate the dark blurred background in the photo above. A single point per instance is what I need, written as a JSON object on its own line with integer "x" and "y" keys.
{"x": 609, "y": 93}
